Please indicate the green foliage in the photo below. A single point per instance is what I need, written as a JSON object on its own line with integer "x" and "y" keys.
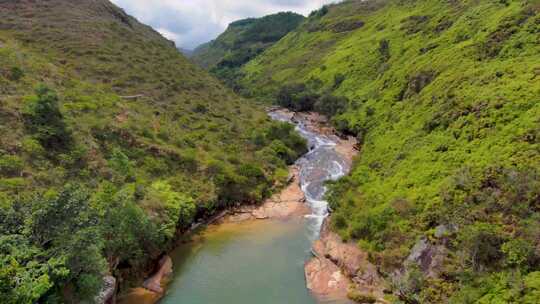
{"x": 121, "y": 166}
{"x": 48, "y": 241}
{"x": 359, "y": 297}
{"x": 320, "y": 12}
{"x": 129, "y": 234}
{"x": 504, "y": 287}
{"x": 10, "y": 165}
{"x": 16, "y": 74}
{"x": 296, "y": 97}
{"x": 172, "y": 209}
{"x": 482, "y": 243}
{"x": 23, "y": 278}
{"x": 331, "y": 105}
{"x": 45, "y": 121}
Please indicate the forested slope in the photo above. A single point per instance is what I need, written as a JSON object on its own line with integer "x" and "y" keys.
{"x": 445, "y": 98}
{"x": 241, "y": 42}
{"x": 111, "y": 142}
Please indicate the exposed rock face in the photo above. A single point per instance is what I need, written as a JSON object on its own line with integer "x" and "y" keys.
{"x": 108, "y": 291}
{"x": 429, "y": 255}
{"x": 165, "y": 269}
{"x": 337, "y": 264}
{"x": 324, "y": 278}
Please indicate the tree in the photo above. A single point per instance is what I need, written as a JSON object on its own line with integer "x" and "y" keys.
{"x": 65, "y": 227}
{"x": 45, "y": 121}
{"x": 296, "y": 97}
{"x": 174, "y": 209}
{"x": 331, "y": 105}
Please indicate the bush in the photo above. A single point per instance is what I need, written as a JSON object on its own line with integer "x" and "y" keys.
{"x": 320, "y": 12}
{"x": 296, "y": 97}
{"x": 331, "y": 105}
{"x": 173, "y": 209}
{"x": 121, "y": 165}
{"x": 384, "y": 50}
{"x": 45, "y": 121}
{"x": 338, "y": 80}
{"x": 482, "y": 244}
{"x": 10, "y": 165}
{"x": 16, "y": 74}
{"x": 363, "y": 298}
{"x": 518, "y": 253}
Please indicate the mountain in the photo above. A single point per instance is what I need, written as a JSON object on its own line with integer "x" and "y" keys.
{"x": 186, "y": 52}
{"x": 445, "y": 98}
{"x": 112, "y": 141}
{"x": 242, "y": 41}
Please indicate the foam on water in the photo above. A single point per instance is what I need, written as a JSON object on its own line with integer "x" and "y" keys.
{"x": 322, "y": 163}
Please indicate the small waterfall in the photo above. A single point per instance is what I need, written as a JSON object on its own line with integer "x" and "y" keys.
{"x": 322, "y": 163}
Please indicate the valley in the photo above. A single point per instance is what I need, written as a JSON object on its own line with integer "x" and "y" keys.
{"x": 379, "y": 151}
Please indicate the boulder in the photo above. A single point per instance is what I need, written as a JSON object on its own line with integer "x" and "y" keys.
{"x": 339, "y": 266}
{"x": 165, "y": 269}
{"x": 108, "y": 291}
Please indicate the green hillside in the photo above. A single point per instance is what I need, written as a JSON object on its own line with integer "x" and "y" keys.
{"x": 242, "y": 41}
{"x": 445, "y": 98}
{"x": 111, "y": 143}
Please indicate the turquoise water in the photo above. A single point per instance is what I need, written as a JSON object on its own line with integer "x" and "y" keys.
{"x": 254, "y": 262}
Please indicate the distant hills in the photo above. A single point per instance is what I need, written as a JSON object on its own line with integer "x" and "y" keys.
{"x": 242, "y": 41}
{"x": 186, "y": 52}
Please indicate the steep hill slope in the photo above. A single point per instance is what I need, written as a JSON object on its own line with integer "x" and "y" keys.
{"x": 111, "y": 141}
{"x": 445, "y": 97}
{"x": 242, "y": 41}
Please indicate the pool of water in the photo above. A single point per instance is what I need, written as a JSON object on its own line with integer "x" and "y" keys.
{"x": 254, "y": 262}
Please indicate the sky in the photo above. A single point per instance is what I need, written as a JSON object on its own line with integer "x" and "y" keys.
{"x": 190, "y": 23}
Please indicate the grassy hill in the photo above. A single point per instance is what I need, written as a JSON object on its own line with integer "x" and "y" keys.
{"x": 445, "y": 98}
{"x": 111, "y": 143}
{"x": 242, "y": 41}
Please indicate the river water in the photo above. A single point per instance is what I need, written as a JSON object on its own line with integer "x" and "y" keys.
{"x": 260, "y": 262}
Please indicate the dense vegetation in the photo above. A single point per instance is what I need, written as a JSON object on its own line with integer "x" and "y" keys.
{"x": 94, "y": 180}
{"x": 445, "y": 98}
{"x": 241, "y": 42}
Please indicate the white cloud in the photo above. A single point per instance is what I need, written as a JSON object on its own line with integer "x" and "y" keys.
{"x": 192, "y": 22}
{"x": 168, "y": 34}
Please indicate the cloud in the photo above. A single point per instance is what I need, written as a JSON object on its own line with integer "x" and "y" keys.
{"x": 192, "y": 22}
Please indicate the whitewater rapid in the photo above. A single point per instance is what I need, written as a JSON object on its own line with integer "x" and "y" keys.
{"x": 321, "y": 164}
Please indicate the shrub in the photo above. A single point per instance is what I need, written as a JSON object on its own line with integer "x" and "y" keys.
{"x": 384, "y": 50}
{"x": 331, "y": 105}
{"x": 296, "y": 97}
{"x": 347, "y": 26}
{"x": 416, "y": 83}
{"x": 320, "y": 12}
{"x": 482, "y": 244}
{"x": 360, "y": 297}
{"x": 10, "y": 165}
{"x": 45, "y": 121}
{"x": 338, "y": 80}
{"x": 173, "y": 209}
{"x": 121, "y": 165}
{"x": 16, "y": 74}
{"x": 518, "y": 252}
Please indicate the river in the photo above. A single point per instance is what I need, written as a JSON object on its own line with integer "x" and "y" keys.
{"x": 260, "y": 261}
